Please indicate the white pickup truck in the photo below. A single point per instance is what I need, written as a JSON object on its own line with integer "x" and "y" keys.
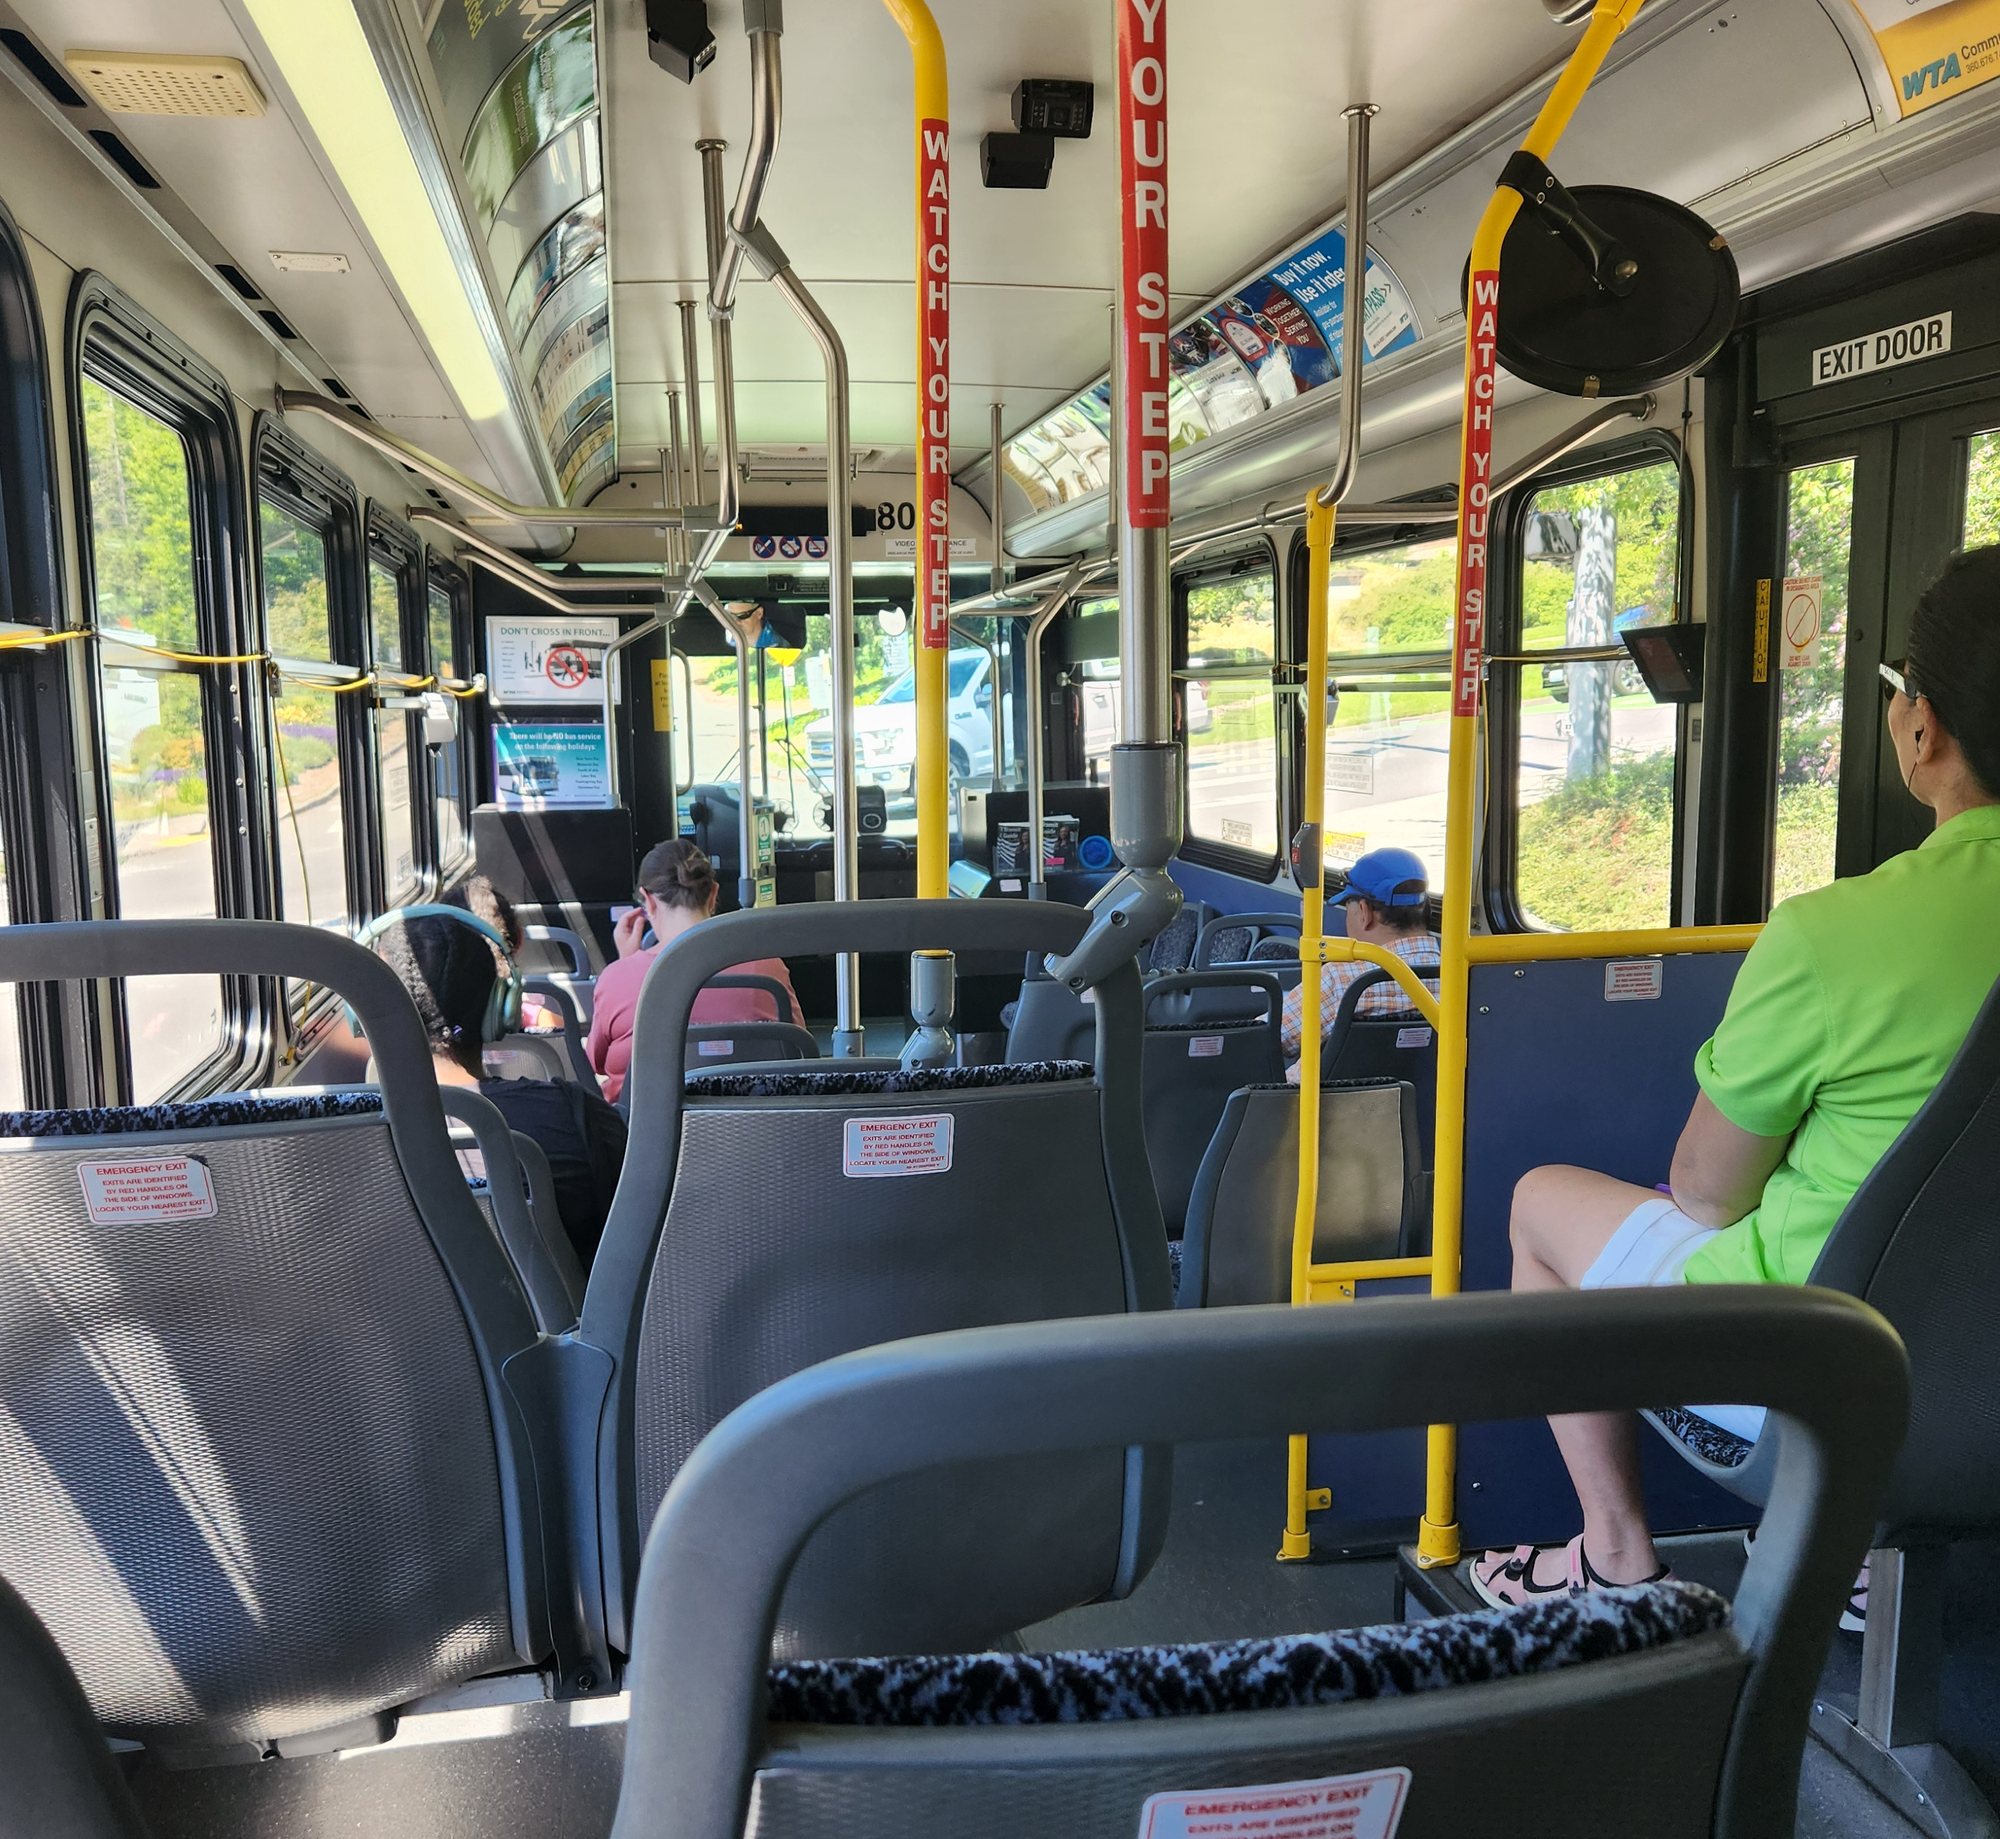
{"x": 885, "y": 730}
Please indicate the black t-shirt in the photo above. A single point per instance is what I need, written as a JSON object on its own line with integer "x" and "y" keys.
{"x": 584, "y": 1140}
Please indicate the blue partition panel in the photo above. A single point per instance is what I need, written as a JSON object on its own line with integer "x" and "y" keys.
{"x": 1555, "y": 1073}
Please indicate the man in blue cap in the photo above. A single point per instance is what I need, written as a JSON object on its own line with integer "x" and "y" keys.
{"x": 1386, "y": 899}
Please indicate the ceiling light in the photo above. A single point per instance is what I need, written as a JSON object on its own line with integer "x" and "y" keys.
{"x": 319, "y": 47}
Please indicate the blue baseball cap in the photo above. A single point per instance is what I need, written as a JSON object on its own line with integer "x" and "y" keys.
{"x": 1380, "y": 873}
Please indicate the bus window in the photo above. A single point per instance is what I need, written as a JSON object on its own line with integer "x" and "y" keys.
{"x": 448, "y": 769}
{"x": 1595, "y": 842}
{"x": 392, "y": 740}
{"x": 1388, "y": 747}
{"x": 312, "y": 836}
{"x": 143, "y": 579}
{"x": 1981, "y": 522}
{"x": 13, "y": 1091}
{"x": 1227, "y": 712}
{"x": 1819, "y": 526}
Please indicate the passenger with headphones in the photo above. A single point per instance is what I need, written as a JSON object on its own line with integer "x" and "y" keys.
{"x": 457, "y": 962}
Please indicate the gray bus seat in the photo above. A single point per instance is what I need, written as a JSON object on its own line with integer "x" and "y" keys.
{"x": 262, "y": 1478}
{"x": 1191, "y": 1069}
{"x": 1652, "y": 1713}
{"x": 838, "y": 1207}
{"x": 1051, "y": 1022}
{"x": 1238, "y": 1243}
{"x": 753, "y": 980}
{"x": 1227, "y": 939}
{"x": 1173, "y": 950}
{"x": 718, "y": 1044}
{"x": 545, "y": 1263}
{"x": 527, "y": 1056}
{"x": 58, "y": 1777}
{"x": 573, "y": 1031}
{"x": 1231, "y": 938}
{"x": 1920, "y": 1241}
{"x": 1396, "y": 1045}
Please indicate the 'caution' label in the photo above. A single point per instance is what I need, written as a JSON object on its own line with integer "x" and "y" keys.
{"x": 141, "y": 1192}
{"x": 876, "y": 1146}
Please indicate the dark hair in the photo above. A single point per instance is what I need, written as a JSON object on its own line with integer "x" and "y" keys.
{"x": 449, "y": 970}
{"x": 678, "y": 874}
{"x": 1413, "y": 918}
{"x": 1955, "y": 658}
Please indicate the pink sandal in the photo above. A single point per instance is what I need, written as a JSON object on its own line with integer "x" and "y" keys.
{"x": 1507, "y": 1579}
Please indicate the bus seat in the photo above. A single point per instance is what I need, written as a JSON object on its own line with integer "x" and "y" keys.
{"x": 574, "y": 1025}
{"x": 1230, "y": 938}
{"x": 753, "y": 980}
{"x": 522, "y": 1208}
{"x": 1173, "y": 950}
{"x": 1398, "y": 1045}
{"x": 1653, "y": 1712}
{"x": 1238, "y": 1244}
{"x": 528, "y": 1056}
{"x": 1012, "y": 1192}
{"x": 58, "y": 1777}
{"x": 1920, "y": 1242}
{"x": 747, "y": 1042}
{"x": 1051, "y": 1022}
{"x": 260, "y": 1474}
{"x": 1192, "y": 1067}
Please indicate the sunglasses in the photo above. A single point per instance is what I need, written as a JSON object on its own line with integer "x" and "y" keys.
{"x": 1895, "y": 679}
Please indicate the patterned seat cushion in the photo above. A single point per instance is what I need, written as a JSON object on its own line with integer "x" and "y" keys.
{"x": 1174, "y": 948}
{"x": 1279, "y": 947}
{"x": 1395, "y": 1660}
{"x": 911, "y": 1079}
{"x": 1229, "y": 945}
{"x": 1724, "y": 1448}
{"x": 202, "y": 1114}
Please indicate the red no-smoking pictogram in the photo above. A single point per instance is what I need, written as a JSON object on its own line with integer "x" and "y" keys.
{"x": 567, "y": 667}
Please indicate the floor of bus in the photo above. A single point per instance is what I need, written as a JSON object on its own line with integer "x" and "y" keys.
{"x": 547, "y": 1771}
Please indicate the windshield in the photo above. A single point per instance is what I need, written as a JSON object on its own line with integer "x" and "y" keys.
{"x": 963, "y": 664}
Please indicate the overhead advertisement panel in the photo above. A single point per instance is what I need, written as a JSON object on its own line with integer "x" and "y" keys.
{"x": 520, "y": 90}
{"x": 1274, "y": 338}
{"x": 1935, "y": 49}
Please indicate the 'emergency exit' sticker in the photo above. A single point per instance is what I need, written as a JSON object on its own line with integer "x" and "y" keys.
{"x": 878, "y": 1146}
{"x": 143, "y": 1191}
{"x": 1366, "y": 1806}
{"x": 1634, "y": 980}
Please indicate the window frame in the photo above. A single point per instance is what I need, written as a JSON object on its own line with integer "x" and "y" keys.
{"x": 297, "y": 480}
{"x": 392, "y": 544}
{"x": 439, "y": 573}
{"x": 1260, "y": 555}
{"x": 117, "y": 345}
{"x": 1500, "y": 844}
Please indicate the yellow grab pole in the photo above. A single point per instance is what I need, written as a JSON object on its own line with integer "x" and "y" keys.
{"x": 1312, "y": 929}
{"x": 1437, "y": 1536}
{"x": 933, "y": 598}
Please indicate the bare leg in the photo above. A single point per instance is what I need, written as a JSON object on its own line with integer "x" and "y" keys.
{"x": 1563, "y": 1217}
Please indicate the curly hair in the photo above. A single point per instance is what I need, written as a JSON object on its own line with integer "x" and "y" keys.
{"x": 449, "y": 970}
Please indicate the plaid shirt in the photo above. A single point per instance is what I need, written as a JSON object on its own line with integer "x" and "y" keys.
{"x": 1418, "y": 948}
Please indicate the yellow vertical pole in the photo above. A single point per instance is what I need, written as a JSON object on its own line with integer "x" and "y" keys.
{"x": 933, "y": 574}
{"x": 1437, "y": 1536}
{"x": 1312, "y": 932}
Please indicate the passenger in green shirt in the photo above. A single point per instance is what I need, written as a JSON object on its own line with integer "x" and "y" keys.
{"x": 1847, "y": 1012}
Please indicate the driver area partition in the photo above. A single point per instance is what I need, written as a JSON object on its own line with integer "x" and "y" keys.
{"x": 1557, "y": 1071}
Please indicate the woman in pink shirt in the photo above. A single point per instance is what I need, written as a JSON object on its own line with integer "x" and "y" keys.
{"x": 677, "y": 889}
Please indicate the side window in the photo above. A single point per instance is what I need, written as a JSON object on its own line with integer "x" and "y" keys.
{"x": 1228, "y": 712}
{"x": 142, "y": 571}
{"x": 1389, "y": 742}
{"x": 1819, "y": 529}
{"x": 1981, "y": 522}
{"x": 392, "y": 739}
{"x": 1595, "y": 833}
{"x": 13, "y": 1090}
{"x": 448, "y": 761}
{"x": 305, "y": 721}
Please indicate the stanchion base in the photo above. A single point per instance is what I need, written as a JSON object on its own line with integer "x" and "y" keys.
{"x": 1437, "y": 1545}
{"x": 1924, "y": 1782}
{"x": 1296, "y": 1548}
{"x": 849, "y": 1043}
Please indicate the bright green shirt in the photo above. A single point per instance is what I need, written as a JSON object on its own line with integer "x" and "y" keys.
{"x": 1845, "y": 1015}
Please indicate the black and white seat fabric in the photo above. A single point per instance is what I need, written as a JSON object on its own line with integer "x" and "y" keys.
{"x": 840, "y": 1206}
{"x": 1238, "y": 1243}
{"x": 1193, "y": 1066}
{"x": 1652, "y": 1712}
{"x": 260, "y": 1475}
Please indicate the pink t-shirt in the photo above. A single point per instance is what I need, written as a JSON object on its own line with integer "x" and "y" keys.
{"x": 615, "y": 1000}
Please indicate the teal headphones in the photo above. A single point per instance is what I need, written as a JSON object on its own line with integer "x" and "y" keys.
{"x": 503, "y": 1007}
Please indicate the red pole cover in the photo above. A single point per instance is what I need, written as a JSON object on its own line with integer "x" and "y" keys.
{"x": 934, "y": 381}
{"x": 1142, "y": 189}
{"x": 1475, "y": 476}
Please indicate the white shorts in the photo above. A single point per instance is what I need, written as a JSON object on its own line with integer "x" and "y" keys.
{"x": 1651, "y": 1249}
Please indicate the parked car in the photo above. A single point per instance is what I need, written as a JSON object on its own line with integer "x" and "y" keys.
{"x": 885, "y": 730}
{"x": 1625, "y": 680}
